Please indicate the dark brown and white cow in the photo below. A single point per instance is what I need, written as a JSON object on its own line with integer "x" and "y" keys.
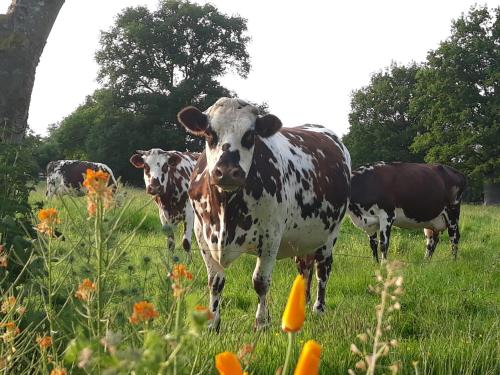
{"x": 166, "y": 175}
{"x": 406, "y": 195}
{"x": 66, "y": 175}
{"x": 268, "y": 191}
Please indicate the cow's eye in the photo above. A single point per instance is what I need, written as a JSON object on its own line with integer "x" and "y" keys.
{"x": 248, "y": 139}
{"x": 211, "y": 137}
{"x": 164, "y": 168}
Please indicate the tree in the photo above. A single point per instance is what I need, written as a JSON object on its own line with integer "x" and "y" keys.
{"x": 24, "y": 30}
{"x": 160, "y": 61}
{"x": 381, "y": 127}
{"x": 457, "y": 99}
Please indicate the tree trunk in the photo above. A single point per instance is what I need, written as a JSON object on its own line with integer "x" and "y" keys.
{"x": 491, "y": 193}
{"x": 23, "y": 33}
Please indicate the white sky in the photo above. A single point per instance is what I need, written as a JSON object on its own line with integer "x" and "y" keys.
{"x": 307, "y": 56}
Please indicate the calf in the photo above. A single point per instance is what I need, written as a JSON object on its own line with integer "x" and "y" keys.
{"x": 64, "y": 175}
{"x": 166, "y": 175}
{"x": 407, "y": 195}
{"x": 268, "y": 191}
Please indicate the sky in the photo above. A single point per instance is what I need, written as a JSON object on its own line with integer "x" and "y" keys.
{"x": 307, "y": 56}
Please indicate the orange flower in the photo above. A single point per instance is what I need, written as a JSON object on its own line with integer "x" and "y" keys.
{"x": 85, "y": 290}
{"x": 308, "y": 363}
{"x": 227, "y": 363}
{"x": 179, "y": 271}
{"x": 48, "y": 220}
{"x": 44, "y": 342}
{"x": 8, "y": 304}
{"x": 204, "y": 310}
{"x": 59, "y": 371}
{"x": 11, "y": 331}
{"x": 96, "y": 183}
{"x": 295, "y": 310}
{"x": 142, "y": 312}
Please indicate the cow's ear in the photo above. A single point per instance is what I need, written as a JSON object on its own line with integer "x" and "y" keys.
{"x": 194, "y": 120}
{"x": 267, "y": 125}
{"x": 173, "y": 160}
{"x": 137, "y": 161}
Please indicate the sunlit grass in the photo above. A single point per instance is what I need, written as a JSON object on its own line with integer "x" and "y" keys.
{"x": 449, "y": 321}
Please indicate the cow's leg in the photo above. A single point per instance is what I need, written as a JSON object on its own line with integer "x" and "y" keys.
{"x": 386, "y": 220}
{"x": 323, "y": 258}
{"x": 374, "y": 246}
{"x": 453, "y": 231}
{"x": 188, "y": 228}
{"x": 305, "y": 267}
{"x": 261, "y": 283}
{"x": 216, "y": 280}
{"x": 432, "y": 239}
{"x": 168, "y": 228}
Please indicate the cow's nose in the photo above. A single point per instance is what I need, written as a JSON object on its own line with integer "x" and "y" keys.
{"x": 228, "y": 177}
{"x": 154, "y": 187}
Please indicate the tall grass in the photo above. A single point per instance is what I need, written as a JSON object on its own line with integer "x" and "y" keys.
{"x": 449, "y": 321}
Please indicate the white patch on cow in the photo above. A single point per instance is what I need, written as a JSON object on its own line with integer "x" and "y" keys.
{"x": 230, "y": 119}
{"x": 371, "y": 223}
{"x": 57, "y": 184}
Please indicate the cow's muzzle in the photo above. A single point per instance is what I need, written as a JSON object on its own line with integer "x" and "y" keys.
{"x": 154, "y": 188}
{"x": 228, "y": 178}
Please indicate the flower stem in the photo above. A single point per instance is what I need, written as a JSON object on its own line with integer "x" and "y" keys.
{"x": 291, "y": 336}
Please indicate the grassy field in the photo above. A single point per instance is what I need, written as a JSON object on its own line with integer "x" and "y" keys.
{"x": 449, "y": 322}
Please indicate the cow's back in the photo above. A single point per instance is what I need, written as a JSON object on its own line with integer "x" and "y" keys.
{"x": 420, "y": 190}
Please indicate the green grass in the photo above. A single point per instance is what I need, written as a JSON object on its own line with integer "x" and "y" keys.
{"x": 449, "y": 320}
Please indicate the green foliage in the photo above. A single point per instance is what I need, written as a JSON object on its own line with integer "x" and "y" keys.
{"x": 444, "y": 300}
{"x": 381, "y": 127}
{"x": 17, "y": 171}
{"x": 457, "y": 98}
{"x": 152, "y": 64}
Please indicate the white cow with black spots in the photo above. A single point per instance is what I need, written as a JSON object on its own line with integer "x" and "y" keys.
{"x": 265, "y": 190}
{"x": 166, "y": 176}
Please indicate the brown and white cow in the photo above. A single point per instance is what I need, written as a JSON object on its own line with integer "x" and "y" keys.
{"x": 406, "y": 195}
{"x": 66, "y": 175}
{"x": 166, "y": 175}
{"x": 268, "y": 191}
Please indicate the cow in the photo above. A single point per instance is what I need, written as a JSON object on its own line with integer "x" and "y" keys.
{"x": 166, "y": 175}
{"x": 64, "y": 176}
{"x": 268, "y": 191}
{"x": 407, "y": 195}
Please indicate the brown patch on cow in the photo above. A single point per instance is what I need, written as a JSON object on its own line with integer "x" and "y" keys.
{"x": 421, "y": 190}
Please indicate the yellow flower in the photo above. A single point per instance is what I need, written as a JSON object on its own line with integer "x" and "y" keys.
{"x": 308, "y": 363}
{"x": 59, "y": 371}
{"x": 143, "y": 311}
{"x": 295, "y": 310}
{"x": 44, "y": 342}
{"x": 8, "y": 304}
{"x": 49, "y": 218}
{"x": 85, "y": 290}
{"x": 227, "y": 363}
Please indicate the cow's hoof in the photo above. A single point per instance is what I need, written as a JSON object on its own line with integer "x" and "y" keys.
{"x": 214, "y": 326}
{"x": 261, "y": 326}
{"x": 319, "y": 308}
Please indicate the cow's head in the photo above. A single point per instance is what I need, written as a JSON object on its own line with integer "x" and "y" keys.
{"x": 156, "y": 164}
{"x": 229, "y": 127}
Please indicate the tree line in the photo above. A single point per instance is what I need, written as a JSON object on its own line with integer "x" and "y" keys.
{"x": 151, "y": 63}
{"x": 444, "y": 110}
